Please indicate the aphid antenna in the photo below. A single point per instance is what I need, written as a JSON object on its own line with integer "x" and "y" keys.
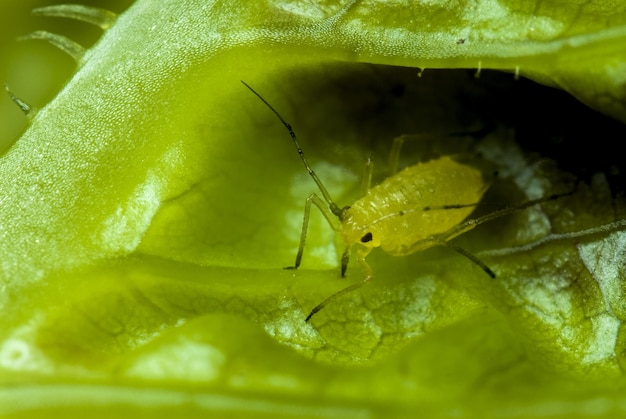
{"x": 334, "y": 208}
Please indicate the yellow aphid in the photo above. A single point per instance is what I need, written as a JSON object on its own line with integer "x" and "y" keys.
{"x": 397, "y": 215}
{"x": 408, "y": 212}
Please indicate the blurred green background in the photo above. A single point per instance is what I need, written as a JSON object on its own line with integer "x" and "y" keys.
{"x": 34, "y": 69}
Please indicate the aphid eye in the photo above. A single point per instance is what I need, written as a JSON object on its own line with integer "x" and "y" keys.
{"x": 366, "y": 238}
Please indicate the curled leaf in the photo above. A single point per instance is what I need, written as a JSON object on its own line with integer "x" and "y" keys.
{"x": 148, "y": 210}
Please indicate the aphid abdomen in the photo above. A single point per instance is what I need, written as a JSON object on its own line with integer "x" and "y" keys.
{"x": 415, "y": 204}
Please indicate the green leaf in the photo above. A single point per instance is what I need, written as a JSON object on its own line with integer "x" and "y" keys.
{"x": 148, "y": 210}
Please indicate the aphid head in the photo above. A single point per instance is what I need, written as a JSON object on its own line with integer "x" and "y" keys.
{"x": 355, "y": 231}
{"x": 369, "y": 239}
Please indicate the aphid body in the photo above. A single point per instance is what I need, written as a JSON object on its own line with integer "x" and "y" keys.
{"x": 408, "y": 212}
{"x": 402, "y": 213}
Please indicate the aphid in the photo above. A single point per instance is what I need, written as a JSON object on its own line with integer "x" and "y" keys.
{"x": 406, "y": 213}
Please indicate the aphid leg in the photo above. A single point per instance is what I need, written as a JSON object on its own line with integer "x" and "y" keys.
{"x": 367, "y": 271}
{"x": 468, "y": 225}
{"x": 368, "y": 170}
{"x": 443, "y": 239}
{"x": 469, "y": 256}
{"x": 333, "y": 213}
{"x": 345, "y": 258}
{"x": 398, "y": 143}
{"x": 394, "y": 154}
{"x": 330, "y": 217}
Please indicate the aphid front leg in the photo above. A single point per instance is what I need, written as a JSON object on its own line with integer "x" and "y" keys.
{"x": 368, "y": 277}
{"x": 330, "y": 217}
{"x": 331, "y": 211}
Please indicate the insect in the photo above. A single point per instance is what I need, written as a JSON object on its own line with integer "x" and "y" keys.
{"x": 404, "y": 214}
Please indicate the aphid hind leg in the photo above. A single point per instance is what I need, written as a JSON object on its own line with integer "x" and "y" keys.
{"x": 368, "y": 277}
{"x": 443, "y": 239}
{"x": 470, "y": 224}
{"x": 328, "y": 215}
{"x": 482, "y": 265}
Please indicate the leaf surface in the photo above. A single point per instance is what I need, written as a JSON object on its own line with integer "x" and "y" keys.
{"x": 148, "y": 209}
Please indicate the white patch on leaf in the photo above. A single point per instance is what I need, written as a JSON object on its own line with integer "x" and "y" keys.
{"x": 601, "y": 347}
{"x": 285, "y": 330}
{"x": 603, "y": 259}
{"x": 616, "y": 72}
{"x": 19, "y": 355}
{"x": 304, "y": 9}
{"x": 498, "y": 22}
{"x": 124, "y": 229}
{"x": 420, "y": 312}
{"x": 184, "y": 360}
